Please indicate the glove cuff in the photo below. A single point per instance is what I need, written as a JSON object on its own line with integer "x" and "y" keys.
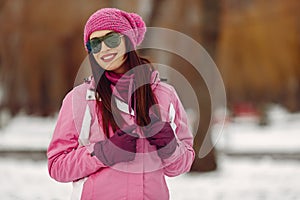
{"x": 99, "y": 153}
{"x": 166, "y": 151}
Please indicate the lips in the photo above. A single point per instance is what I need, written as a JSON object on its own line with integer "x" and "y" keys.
{"x": 108, "y": 57}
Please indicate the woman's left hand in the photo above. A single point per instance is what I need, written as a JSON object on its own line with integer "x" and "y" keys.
{"x": 161, "y": 135}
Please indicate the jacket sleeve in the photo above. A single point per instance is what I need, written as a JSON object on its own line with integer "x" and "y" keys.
{"x": 67, "y": 161}
{"x": 183, "y": 157}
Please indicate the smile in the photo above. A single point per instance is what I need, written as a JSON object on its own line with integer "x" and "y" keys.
{"x": 108, "y": 57}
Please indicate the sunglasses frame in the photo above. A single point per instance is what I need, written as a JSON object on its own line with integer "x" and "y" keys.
{"x": 102, "y": 39}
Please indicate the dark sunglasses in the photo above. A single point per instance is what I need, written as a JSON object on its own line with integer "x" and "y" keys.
{"x": 111, "y": 40}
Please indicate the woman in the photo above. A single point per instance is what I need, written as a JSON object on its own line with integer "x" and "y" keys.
{"x": 119, "y": 133}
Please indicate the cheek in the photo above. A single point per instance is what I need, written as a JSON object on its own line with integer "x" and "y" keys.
{"x": 122, "y": 50}
{"x": 99, "y": 61}
{"x": 122, "y": 47}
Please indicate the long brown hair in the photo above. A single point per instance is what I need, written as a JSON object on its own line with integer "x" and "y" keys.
{"x": 143, "y": 97}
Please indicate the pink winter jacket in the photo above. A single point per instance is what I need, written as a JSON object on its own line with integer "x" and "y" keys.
{"x": 69, "y": 154}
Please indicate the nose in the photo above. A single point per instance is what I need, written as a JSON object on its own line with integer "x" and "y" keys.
{"x": 104, "y": 47}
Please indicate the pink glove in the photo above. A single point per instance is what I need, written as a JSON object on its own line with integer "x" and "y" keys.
{"x": 121, "y": 147}
{"x": 161, "y": 135}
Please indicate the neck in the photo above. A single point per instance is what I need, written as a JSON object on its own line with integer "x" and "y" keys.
{"x": 120, "y": 70}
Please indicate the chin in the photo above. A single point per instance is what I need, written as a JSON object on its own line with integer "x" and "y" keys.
{"x": 110, "y": 68}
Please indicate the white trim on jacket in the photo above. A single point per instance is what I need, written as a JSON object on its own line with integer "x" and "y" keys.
{"x": 84, "y": 135}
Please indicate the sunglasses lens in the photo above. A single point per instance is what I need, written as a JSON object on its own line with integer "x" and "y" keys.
{"x": 113, "y": 40}
{"x": 95, "y": 45}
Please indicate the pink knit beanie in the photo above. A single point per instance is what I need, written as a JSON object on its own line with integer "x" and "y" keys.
{"x": 129, "y": 24}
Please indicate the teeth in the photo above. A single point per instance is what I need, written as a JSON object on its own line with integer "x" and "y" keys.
{"x": 107, "y": 57}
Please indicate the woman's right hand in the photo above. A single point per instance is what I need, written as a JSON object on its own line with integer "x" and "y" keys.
{"x": 121, "y": 147}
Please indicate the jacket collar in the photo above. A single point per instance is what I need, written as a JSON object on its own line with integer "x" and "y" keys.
{"x": 122, "y": 106}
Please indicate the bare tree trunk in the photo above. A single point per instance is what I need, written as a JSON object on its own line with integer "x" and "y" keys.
{"x": 209, "y": 31}
{"x": 185, "y": 16}
{"x": 41, "y": 50}
{"x": 260, "y": 43}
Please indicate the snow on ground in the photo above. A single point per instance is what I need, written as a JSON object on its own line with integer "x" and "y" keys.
{"x": 28, "y": 180}
{"x": 24, "y": 132}
{"x": 281, "y": 135}
{"x": 247, "y": 179}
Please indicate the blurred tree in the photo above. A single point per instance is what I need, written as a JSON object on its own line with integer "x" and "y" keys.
{"x": 40, "y": 51}
{"x": 258, "y": 52}
{"x": 198, "y": 19}
{"x": 209, "y": 29}
{"x": 256, "y": 44}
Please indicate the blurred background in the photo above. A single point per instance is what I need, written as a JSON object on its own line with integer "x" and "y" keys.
{"x": 254, "y": 43}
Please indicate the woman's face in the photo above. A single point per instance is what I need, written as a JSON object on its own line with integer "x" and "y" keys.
{"x": 110, "y": 59}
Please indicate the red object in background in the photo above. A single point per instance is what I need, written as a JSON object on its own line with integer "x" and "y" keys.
{"x": 245, "y": 109}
